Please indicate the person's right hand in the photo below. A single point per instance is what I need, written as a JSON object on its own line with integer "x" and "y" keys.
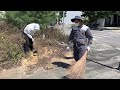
{"x": 68, "y": 48}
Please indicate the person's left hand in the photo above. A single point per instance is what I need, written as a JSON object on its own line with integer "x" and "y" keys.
{"x": 88, "y": 48}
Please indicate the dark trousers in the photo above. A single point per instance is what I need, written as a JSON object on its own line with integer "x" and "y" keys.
{"x": 78, "y": 51}
{"x": 28, "y": 45}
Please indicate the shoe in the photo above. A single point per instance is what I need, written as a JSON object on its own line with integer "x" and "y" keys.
{"x": 35, "y": 51}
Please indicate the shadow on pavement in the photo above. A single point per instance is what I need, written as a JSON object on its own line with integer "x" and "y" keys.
{"x": 68, "y": 57}
{"x": 61, "y": 64}
{"x": 104, "y": 64}
{"x": 64, "y": 77}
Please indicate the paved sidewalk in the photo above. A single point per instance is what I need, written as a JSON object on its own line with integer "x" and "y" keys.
{"x": 104, "y": 54}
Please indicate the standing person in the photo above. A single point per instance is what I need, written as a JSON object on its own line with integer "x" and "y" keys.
{"x": 81, "y": 38}
{"x": 29, "y": 32}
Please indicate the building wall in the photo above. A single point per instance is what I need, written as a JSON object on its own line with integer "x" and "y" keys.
{"x": 2, "y": 14}
{"x": 108, "y": 22}
{"x": 101, "y": 22}
{"x": 113, "y": 21}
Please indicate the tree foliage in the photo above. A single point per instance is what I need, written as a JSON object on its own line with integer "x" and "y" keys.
{"x": 22, "y": 18}
{"x": 94, "y": 15}
{"x": 61, "y": 15}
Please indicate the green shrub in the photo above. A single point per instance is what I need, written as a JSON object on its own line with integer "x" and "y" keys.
{"x": 55, "y": 34}
{"x": 11, "y": 43}
{"x": 22, "y": 18}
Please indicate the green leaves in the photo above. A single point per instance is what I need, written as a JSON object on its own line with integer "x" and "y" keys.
{"x": 94, "y": 15}
{"x": 61, "y": 14}
{"x": 22, "y": 18}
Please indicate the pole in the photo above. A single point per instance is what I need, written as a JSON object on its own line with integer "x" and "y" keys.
{"x": 57, "y": 18}
{"x": 57, "y": 14}
{"x": 63, "y": 19}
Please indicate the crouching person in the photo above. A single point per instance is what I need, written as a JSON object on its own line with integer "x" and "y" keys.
{"x": 29, "y": 32}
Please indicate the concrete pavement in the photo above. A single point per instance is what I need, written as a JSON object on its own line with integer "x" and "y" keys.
{"x": 101, "y": 53}
{"x": 104, "y": 51}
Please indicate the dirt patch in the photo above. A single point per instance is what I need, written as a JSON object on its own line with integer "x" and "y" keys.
{"x": 11, "y": 63}
{"x": 21, "y": 70}
{"x": 32, "y": 63}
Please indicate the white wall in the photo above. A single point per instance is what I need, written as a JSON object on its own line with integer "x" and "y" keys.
{"x": 2, "y": 14}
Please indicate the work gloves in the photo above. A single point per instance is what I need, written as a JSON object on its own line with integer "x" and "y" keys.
{"x": 88, "y": 48}
{"x": 68, "y": 48}
{"x": 69, "y": 45}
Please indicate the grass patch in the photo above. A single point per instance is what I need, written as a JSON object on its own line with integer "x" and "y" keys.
{"x": 11, "y": 45}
